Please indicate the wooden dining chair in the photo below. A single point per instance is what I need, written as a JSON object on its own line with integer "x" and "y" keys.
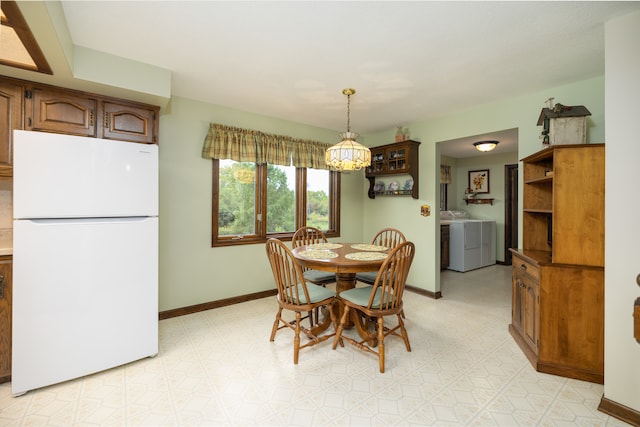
{"x": 388, "y": 237}
{"x": 383, "y": 299}
{"x": 294, "y": 295}
{"x": 309, "y": 236}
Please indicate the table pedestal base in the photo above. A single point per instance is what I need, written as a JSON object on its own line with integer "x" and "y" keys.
{"x": 344, "y": 282}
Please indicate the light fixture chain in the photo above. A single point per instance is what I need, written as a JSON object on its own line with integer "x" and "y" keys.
{"x": 348, "y": 112}
{"x": 348, "y": 155}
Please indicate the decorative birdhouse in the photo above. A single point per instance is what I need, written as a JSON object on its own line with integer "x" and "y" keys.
{"x": 564, "y": 124}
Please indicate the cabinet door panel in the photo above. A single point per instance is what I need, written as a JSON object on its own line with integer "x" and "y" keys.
{"x": 578, "y": 204}
{"x": 5, "y": 318}
{"x": 129, "y": 123}
{"x": 444, "y": 247}
{"x": 517, "y": 303}
{"x": 11, "y": 96}
{"x": 61, "y": 112}
{"x": 531, "y": 327}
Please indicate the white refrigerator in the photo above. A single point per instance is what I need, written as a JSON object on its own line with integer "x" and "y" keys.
{"x": 85, "y": 256}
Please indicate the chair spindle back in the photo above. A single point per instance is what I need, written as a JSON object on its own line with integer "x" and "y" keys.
{"x": 307, "y": 236}
{"x": 389, "y": 237}
{"x": 389, "y": 285}
{"x": 287, "y": 273}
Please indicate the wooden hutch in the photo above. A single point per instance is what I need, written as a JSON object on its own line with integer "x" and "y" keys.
{"x": 558, "y": 274}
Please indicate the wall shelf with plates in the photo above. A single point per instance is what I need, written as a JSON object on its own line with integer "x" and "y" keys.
{"x": 479, "y": 201}
{"x": 393, "y": 193}
{"x": 400, "y": 158}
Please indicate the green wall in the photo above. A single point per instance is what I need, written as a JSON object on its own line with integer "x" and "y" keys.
{"x": 521, "y": 112}
{"x": 191, "y": 271}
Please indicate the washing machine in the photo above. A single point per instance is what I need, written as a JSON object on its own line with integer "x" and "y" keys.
{"x": 472, "y": 242}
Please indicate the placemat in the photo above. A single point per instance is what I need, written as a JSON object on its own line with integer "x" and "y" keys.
{"x": 320, "y": 246}
{"x": 316, "y": 254}
{"x": 366, "y": 256}
{"x": 365, "y": 247}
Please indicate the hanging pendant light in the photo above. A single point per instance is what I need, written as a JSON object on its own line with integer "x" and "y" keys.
{"x": 348, "y": 155}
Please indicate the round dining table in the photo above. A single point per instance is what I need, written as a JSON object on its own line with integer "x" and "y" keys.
{"x": 345, "y": 260}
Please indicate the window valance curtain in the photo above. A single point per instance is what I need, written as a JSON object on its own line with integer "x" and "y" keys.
{"x": 445, "y": 174}
{"x": 245, "y": 145}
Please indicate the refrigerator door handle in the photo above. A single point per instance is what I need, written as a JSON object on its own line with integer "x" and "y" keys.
{"x": 80, "y": 221}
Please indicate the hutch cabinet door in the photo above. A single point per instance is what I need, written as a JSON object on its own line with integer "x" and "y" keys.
{"x": 517, "y": 302}
{"x": 531, "y": 327}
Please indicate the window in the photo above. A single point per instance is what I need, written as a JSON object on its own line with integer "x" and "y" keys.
{"x": 253, "y": 202}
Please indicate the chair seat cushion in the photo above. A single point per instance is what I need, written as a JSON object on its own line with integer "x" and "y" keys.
{"x": 360, "y": 296}
{"x": 319, "y": 276}
{"x": 316, "y": 294}
{"x": 367, "y": 277}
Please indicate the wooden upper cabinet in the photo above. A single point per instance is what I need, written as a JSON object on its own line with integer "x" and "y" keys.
{"x": 393, "y": 159}
{"x": 61, "y": 112}
{"x": 129, "y": 123}
{"x": 399, "y": 158}
{"x": 11, "y": 104}
{"x": 43, "y": 108}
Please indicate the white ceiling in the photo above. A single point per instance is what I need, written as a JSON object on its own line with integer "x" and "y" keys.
{"x": 463, "y": 147}
{"x": 408, "y": 61}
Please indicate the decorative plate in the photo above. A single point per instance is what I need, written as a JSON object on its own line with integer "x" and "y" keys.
{"x": 320, "y": 246}
{"x": 408, "y": 185}
{"x": 366, "y": 256}
{"x": 379, "y": 187}
{"x": 365, "y": 247}
{"x": 394, "y": 186}
{"x": 317, "y": 254}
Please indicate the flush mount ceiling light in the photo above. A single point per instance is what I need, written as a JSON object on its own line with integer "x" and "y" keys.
{"x": 485, "y": 146}
{"x": 348, "y": 155}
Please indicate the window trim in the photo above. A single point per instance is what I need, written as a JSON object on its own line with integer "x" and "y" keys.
{"x": 261, "y": 205}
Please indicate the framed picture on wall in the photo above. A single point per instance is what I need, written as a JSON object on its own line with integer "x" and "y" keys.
{"x": 479, "y": 181}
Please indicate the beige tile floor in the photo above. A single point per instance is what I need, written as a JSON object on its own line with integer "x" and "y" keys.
{"x": 218, "y": 368}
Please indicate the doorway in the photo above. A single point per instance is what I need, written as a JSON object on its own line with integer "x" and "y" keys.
{"x": 510, "y": 210}
{"x": 462, "y": 156}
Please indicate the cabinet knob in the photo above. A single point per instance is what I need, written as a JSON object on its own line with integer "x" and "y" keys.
{"x": 523, "y": 267}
